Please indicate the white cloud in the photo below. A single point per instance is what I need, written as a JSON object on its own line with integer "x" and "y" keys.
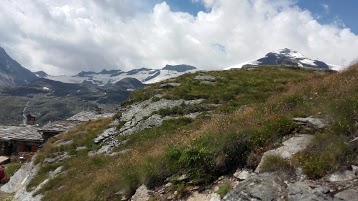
{"x": 69, "y": 36}
{"x": 325, "y": 7}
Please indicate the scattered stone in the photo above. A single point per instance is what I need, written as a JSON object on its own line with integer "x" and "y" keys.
{"x": 64, "y": 143}
{"x": 342, "y": 176}
{"x": 56, "y": 172}
{"x": 81, "y": 148}
{"x": 242, "y": 174}
{"x": 60, "y": 157}
{"x": 161, "y": 191}
{"x": 183, "y": 177}
{"x": 214, "y": 197}
{"x": 316, "y": 122}
{"x": 323, "y": 189}
{"x": 106, "y": 133}
{"x": 216, "y": 188}
{"x": 192, "y": 115}
{"x": 196, "y": 196}
{"x": 170, "y": 197}
{"x": 141, "y": 194}
{"x": 355, "y": 169}
{"x": 195, "y": 188}
{"x": 204, "y": 77}
{"x": 168, "y": 185}
{"x": 108, "y": 148}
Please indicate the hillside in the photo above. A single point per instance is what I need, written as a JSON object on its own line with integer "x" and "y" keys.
{"x": 50, "y": 100}
{"x": 186, "y": 136}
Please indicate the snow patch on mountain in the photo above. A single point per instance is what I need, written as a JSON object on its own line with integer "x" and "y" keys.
{"x": 145, "y": 75}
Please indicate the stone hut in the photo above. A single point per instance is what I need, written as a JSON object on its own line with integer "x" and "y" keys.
{"x": 53, "y": 128}
{"x": 19, "y": 139}
{"x": 30, "y": 120}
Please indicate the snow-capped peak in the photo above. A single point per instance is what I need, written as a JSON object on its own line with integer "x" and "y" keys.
{"x": 286, "y": 57}
{"x": 289, "y": 53}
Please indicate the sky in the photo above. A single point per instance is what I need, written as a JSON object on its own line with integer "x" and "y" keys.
{"x": 69, "y": 36}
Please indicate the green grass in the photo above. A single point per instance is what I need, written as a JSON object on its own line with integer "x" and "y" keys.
{"x": 82, "y": 135}
{"x": 275, "y": 163}
{"x": 223, "y": 189}
{"x": 255, "y": 115}
{"x": 11, "y": 168}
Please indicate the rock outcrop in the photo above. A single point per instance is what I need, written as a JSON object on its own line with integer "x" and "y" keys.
{"x": 138, "y": 117}
{"x": 289, "y": 148}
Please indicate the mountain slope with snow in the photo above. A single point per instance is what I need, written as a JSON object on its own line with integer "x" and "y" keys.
{"x": 11, "y": 72}
{"x": 287, "y": 57}
{"x": 145, "y": 75}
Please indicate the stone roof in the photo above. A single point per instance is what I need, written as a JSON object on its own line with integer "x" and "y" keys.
{"x": 33, "y": 133}
{"x": 59, "y": 126}
{"x": 20, "y": 133}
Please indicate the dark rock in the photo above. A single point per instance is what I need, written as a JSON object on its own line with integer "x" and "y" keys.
{"x": 263, "y": 187}
{"x": 179, "y": 68}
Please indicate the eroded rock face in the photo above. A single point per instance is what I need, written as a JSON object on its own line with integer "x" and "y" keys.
{"x": 138, "y": 117}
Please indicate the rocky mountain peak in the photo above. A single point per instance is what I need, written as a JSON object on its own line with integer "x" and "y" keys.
{"x": 41, "y": 74}
{"x": 286, "y": 57}
{"x": 179, "y": 68}
{"x": 11, "y": 72}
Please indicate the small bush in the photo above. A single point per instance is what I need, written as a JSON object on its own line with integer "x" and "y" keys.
{"x": 315, "y": 167}
{"x": 326, "y": 153}
{"x": 273, "y": 163}
{"x": 195, "y": 162}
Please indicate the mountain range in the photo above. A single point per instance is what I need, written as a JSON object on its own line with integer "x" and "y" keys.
{"x": 104, "y": 77}
{"x": 12, "y": 73}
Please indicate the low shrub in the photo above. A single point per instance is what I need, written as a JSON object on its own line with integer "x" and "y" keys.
{"x": 273, "y": 163}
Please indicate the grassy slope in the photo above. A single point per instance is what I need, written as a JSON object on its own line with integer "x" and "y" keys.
{"x": 256, "y": 112}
